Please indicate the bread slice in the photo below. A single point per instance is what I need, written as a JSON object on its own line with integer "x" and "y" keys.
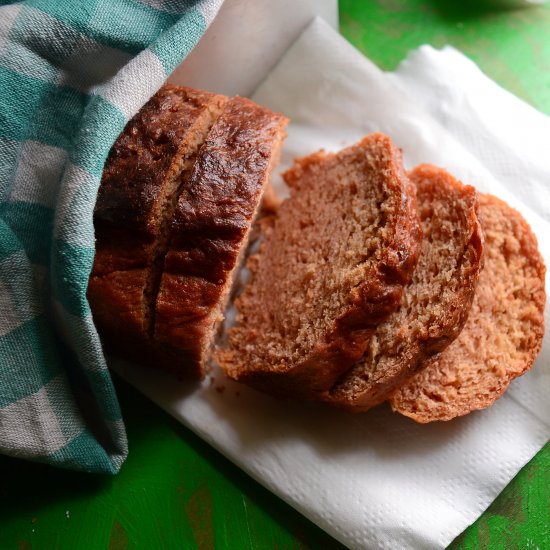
{"x": 332, "y": 266}
{"x": 434, "y": 305}
{"x": 504, "y": 331}
{"x": 136, "y": 200}
{"x": 211, "y": 225}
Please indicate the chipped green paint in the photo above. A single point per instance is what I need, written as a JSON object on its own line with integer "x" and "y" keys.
{"x": 175, "y": 491}
{"x": 511, "y": 46}
{"x": 199, "y": 512}
{"x": 520, "y": 516}
{"x": 118, "y": 539}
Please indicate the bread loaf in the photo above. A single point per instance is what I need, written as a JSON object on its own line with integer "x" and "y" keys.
{"x": 363, "y": 279}
{"x": 188, "y": 162}
{"x": 135, "y": 203}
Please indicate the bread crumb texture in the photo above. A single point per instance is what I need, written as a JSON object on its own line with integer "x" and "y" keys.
{"x": 331, "y": 267}
{"x": 504, "y": 331}
{"x": 436, "y": 302}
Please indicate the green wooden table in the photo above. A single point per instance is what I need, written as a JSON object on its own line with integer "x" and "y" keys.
{"x": 175, "y": 491}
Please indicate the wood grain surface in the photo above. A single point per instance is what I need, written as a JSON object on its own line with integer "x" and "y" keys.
{"x": 175, "y": 491}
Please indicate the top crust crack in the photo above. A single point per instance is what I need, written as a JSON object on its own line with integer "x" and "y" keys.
{"x": 184, "y": 180}
{"x": 137, "y": 196}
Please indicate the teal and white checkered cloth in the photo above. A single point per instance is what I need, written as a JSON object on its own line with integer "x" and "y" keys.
{"x": 72, "y": 73}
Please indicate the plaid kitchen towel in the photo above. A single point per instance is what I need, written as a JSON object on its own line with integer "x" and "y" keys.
{"x": 72, "y": 72}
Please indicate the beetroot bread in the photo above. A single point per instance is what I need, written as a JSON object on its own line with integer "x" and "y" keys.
{"x": 331, "y": 267}
{"x": 170, "y": 144}
{"x": 435, "y": 304}
{"x": 504, "y": 331}
{"x": 211, "y": 225}
{"x": 136, "y": 200}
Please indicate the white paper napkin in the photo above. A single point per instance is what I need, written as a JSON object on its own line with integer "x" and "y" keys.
{"x": 378, "y": 480}
{"x": 245, "y": 41}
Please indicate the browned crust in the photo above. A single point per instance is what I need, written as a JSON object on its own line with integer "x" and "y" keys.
{"x": 370, "y": 301}
{"x": 129, "y": 211}
{"x": 360, "y": 388}
{"x": 141, "y": 158}
{"x": 448, "y": 387}
{"x": 210, "y": 228}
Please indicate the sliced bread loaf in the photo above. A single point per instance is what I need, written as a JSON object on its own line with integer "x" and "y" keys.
{"x": 211, "y": 225}
{"x": 504, "y": 331}
{"x": 183, "y": 181}
{"x": 136, "y": 201}
{"x": 436, "y": 302}
{"x": 331, "y": 267}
